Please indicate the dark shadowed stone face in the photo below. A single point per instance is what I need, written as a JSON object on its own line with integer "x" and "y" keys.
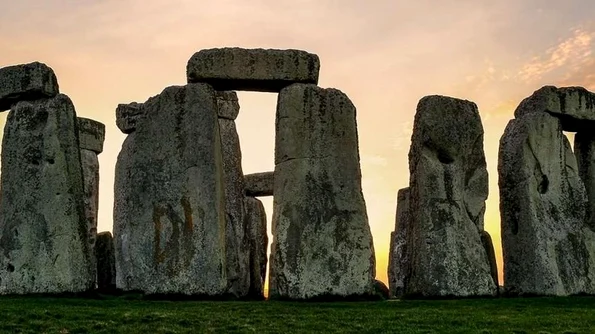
{"x": 26, "y": 82}
{"x": 128, "y": 116}
{"x": 91, "y": 134}
{"x": 260, "y": 184}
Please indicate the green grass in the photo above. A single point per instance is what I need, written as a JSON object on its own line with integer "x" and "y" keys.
{"x": 123, "y": 315}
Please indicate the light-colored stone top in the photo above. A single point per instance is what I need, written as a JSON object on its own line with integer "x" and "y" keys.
{"x": 26, "y": 82}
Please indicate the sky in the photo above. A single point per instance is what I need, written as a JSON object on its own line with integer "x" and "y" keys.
{"x": 384, "y": 54}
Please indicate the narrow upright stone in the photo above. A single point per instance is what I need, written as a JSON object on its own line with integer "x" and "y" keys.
{"x": 448, "y": 189}
{"x": 398, "y": 266}
{"x": 44, "y": 245}
{"x": 260, "y": 184}
{"x": 128, "y": 116}
{"x": 169, "y": 205}
{"x": 548, "y": 250}
{"x": 322, "y": 244}
{"x": 252, "y": 69}
{"x": 106, "y": 262}
{"x": 584, "y": 148}
{"x": 26, "y": 82}
{"x": 259, "y": 241}
{"x": 488, "y": 245}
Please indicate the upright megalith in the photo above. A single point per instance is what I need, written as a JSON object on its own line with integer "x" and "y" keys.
{"x": 44, "y": 245}
{"x": 260, "y": 184}
{"x": 448, "y": 189}
{"x": 322, "y": 245}
{"x": 398, "y": 259}
{"x": 584, "y": 148}
{"x": 256, "y": 226}
{"x": 488, "y": 245}
{"x": 91, "y": 138}
{"x": 237, "y": 245}
{"x": 169, "y": 205}
{"x": 264, "y": 70}
{"x": 548, "y": 249}
{"x": 106, "y": 262}
{"x": 26, "y": 82}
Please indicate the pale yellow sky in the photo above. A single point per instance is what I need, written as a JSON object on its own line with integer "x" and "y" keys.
{"x": 384, "y": 54}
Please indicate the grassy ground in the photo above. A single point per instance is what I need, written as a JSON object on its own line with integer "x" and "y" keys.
{"x": 123, "y": 315}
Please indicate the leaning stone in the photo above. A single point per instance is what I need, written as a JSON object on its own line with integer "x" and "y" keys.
{"x": 256, "y": 224}
{"x": 128, "y": 116}
{"x": 584, "y": 148}
{"x": 169, "y": 204}
{"x": 322, "y": 244}
{"x": 448, "y": 189}
{"x": 488, "y": 246}
{"x": 542, "y": 206}
{"x": 106, "y": 262}
{"x": 574, "y": 105}
{"x": 252, "y": 69}
{"x": 44, "y": 246}
{"x": 227, "y": 105}
{"x": 91, "y": 135}
{"x": 260, "y": 184}
{"x": 26, "y": 82}
{"x": 238, "y": 274}
{"x": 398, "y": 259}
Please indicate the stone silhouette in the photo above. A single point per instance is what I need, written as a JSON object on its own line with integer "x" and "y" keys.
{"x": 258, "y": 239}
{"x": 260, "y": 184}
{"x": 27, "y": 82}
{"x": 584, "y": 148}
{"x": 398, "y": 258}
{"x": 448, "y": 189}
{"x": 322, "y": 243}
{"x": 106, "y": 262}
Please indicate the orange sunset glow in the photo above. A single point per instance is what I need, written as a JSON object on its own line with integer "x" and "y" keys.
{"x": 384, "y": 54}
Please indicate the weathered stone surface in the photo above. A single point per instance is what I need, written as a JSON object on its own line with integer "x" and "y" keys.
{"x": 253, "y": 69}
{"x": 546, "y": 245}
{"x": 44, "y": 246}
{"x": 575, "y": 106}
{"x": 584, "y": 148}
{"x": 448, "y": 189}
{"x": 237, "y": 245}
{"x": 259, "y": 241}
{"x": 260, "y": 184}
{"x": 398, "y": 259}
{"x": 169, "y": 205}
{"x": 26, "y": 82}
{"x": 227, "y": 104}
{"x": 128, "y": 116}
{"x": 488, "y": 245}
{"x": 91, "y": 134}
{"x": 322, "y": 243}
{"x": 90, "y": 168}
{"x": 106, "y": 262}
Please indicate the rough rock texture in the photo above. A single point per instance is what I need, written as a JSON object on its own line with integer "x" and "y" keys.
{"x": 128, "y": 116}
{"x": 548, "y": 250}
{"x": 256, "y": 225}
{"x": 584, "y": 148}
{"x": 169, "y": 205}
{"x": 253, "y": 69}
{"x": 575, "y": 106}
{"x": 398, "y": 263}
{"x": 488, "y": 245}
{"x": 448, "y": 189}
{"x": 238, "y": 261}
{"x": 228, "y": 105}
{"x": 91, "y": 135}
{"x": 106, "y": 262}
{"x": 260, "y": 184}
{"x": 43, "y": 237}
{"x": 322, "y": 243}
{"x": 26, "y": 82}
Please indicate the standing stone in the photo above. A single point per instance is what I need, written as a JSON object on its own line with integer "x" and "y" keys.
{"x": 237, "y": 245}
{"x": 448, "y": 189}
{"x": 128, "y": 116}
{"x": 398, "y": 259}
{"x": 488, "y": 245}
{"x": 584, "y": 148}
{"x": 106, "y": 262}
{"x": 91, "y": 137}
{"x": 260, "y": 184}
{"x": 259, "y": 241}
{"x": 252, "y": 69}
{"x": 26, "y": 82}
{"x": 44, "y": 244}
{"x": 547, "y": 248}
{"x": 169, "y": 205}
{"x": 322, "y": 244}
